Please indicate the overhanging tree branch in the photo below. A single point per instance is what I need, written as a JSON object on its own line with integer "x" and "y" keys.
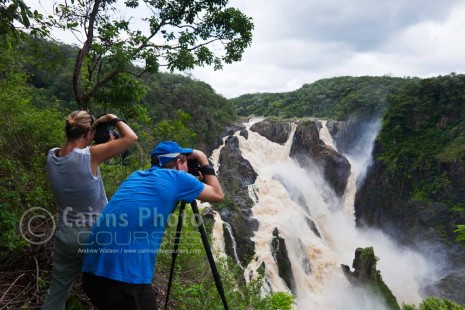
{"x": 81, "y": 99}
{"x": 180, "y": 35}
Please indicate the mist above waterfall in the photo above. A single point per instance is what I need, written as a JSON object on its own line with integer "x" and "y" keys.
{"x": 319, "y": 229}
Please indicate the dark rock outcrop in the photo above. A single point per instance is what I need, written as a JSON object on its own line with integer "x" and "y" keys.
{"x": 244, "y": 133}
{"x": 311, "y": 224}
{"x": 307, "y": 148}
{"x": 383, "y": 201}
{"x": 344, "y": 134}
{"x": 279, "y": 252}
{"x": 228, "y": 130}
{"x": 235, "y": 174}
{"x": 277, "y": 132}
{"x": 352, "y": 137}
{"x": 365, "y": 275}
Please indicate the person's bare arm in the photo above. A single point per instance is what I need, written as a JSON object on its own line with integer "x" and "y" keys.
{"x": 105, "y": 151}
{"x": 212, "y": 191}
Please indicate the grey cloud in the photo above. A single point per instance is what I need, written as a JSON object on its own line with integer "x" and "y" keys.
{"x": 362, "y": 24}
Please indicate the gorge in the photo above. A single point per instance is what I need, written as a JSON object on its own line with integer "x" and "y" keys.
{"x": 292, "y": 190}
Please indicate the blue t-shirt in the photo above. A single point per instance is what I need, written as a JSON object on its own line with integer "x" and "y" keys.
{"x": 124, "y": 242}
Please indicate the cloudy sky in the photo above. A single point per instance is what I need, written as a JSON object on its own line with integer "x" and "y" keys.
{"x": 301, "y": 41}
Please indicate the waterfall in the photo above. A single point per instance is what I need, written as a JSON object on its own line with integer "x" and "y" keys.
{"x": 319, "y": 236}
{"x": 325, "y": 136}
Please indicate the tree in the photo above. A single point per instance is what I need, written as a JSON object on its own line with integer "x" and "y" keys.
{"x": 181, "y": 34}
{"x": 15, "y": 14}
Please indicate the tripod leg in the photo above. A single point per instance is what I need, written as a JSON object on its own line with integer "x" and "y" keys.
{"x": 175, "y": 250}
{"x": 216, "y": 276}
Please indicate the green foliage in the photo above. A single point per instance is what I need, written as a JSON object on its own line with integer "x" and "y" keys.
{"x": 157, "y": 100}
{"x": 461, "y": 234}
{"x": 434, "y": 303}
{"x": 177, "y": 35}
{"x": 226, "y": 203}
{"x": 209, "y": 112}
{"x": 26, "y": 135}
{"x": 367, "y": 262}
{"x": 123, "y": 92}
{"x": 455, "y": 149}
{"x": 73, "y": 303}
{"x": 336, "y": 98}
{"x": 175, "y": 129}
{"x": 423, "y": 126}
{"x": 279, "y": 301}
{"x": 193, "y": 285}
{"x": 16, "y": 12}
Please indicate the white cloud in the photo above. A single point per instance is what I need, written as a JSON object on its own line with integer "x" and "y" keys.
{"x": 297, "y": 42}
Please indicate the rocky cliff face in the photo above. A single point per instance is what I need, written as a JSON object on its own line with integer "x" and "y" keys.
{"x": 383, "y": 201}
{"x": 344, "y": 134}
{"x": 308, "y": 149}
{"x": 366, "y": 275}
{"x": 235, "y": 174}
{"x": 349, "y": 135}
{"x": 228, "y": 130}
{"x": 274, "y": 131}
{"x": 279, "y": 252}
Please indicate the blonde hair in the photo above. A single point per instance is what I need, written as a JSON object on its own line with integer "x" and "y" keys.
{"x": 78, "y": 124}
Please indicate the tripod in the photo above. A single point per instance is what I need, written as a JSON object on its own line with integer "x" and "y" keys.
{"x": 216, "y": 276}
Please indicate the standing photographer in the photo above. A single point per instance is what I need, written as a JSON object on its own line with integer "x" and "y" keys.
{"x": 119, "y": 259}
{"x": 74, "y": 176}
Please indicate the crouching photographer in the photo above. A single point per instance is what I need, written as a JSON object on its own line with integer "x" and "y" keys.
{"x": 120, "y": 254}
{"x": 74, "y": 176}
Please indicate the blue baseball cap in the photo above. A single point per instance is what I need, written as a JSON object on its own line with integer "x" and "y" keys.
{"x": 166, "y": 151}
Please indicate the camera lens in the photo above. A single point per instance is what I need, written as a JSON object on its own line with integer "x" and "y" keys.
{"x": 193, "y": 167}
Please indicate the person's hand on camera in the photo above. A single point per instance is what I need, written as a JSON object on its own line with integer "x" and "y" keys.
{"x": 212, "y": 191}
{"x": 106, "y": 118}
{"x": 198, "y": 156}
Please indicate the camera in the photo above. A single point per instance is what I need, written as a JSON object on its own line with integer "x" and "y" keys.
{"x": 103, "y": 132}
{"x": 193, "y": 167}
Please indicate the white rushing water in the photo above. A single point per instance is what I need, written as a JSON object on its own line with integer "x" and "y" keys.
{"x": 280, "y": 181}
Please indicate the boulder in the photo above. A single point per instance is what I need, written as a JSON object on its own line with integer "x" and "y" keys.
{"x": 277, "y": 132}
{"x": 307, "y": 148}
{"x": 244, "y": 133}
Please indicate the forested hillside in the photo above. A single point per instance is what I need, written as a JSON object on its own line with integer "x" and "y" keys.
{"x": 415, "y": 188}
{"x": 36, "y": 95}
{"x": 336, "y": 98}
{"x": 423, "y": 122}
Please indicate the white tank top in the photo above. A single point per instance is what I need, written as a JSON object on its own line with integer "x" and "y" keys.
{"x": 79, "y": 195}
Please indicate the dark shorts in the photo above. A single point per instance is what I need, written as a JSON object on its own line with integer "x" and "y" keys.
{"x": 105, "y": 293}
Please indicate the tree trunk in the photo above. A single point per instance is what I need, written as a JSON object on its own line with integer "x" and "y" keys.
{"x": 82, "y": 99}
